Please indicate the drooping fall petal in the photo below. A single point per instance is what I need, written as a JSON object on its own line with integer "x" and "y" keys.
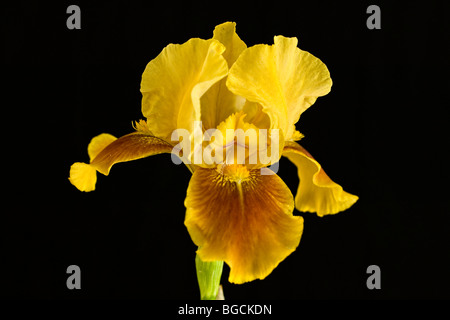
{"x": 98, "y": 143}
{"x": 242, "y": 217}
{"x": 83, "y": 176}
{"x": 173, "y": 83}
{"x": 283, "y": 79}
{"x": 316, "y": 191}
{"x": 226, "y": 34}
{"x": 243, "y": 143}
{"x": 105, "y": 151}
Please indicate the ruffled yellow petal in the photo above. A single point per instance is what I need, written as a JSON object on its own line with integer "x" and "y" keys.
{"x": 218, "y": 102}
{"x": 173, "y": 83}
{"x": 105, "y": 150}
{"x": 243, "y": 218}
{"x": 316, "y": 191}
{"x": 133, "y": 146}
{"x": 83, "y": 176}
{"x": 99, "y": 143}
{"x": 282, "y": 78}
{"x": 226, "y": 34}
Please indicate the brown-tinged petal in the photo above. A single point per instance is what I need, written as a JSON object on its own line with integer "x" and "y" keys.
{"x": 242, "y": 217}
{"x": 316, "y": 191}
{"x": 105, "y": 150}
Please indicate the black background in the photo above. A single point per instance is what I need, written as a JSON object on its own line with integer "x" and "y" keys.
{"x": 381, "y": 133}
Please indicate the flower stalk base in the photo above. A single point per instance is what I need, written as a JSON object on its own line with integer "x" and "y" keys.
{"x": 208, "y": 275}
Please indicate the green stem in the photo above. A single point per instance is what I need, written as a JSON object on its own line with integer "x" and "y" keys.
{"x": 208, "y": 275}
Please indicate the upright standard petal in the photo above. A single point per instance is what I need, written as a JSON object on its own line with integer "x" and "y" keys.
{"x": 105, "y": 150}
{"x": 218, "y": 102}
{"x": 282, "y": 78}
{"x": 316, "y": 191}
{"x": 243, "y": 218}
{"x": 99, "y": 143}
{"x": 83, "y": 176}
{"x": 173, "y": 83}
{"x": 226, "y": 34}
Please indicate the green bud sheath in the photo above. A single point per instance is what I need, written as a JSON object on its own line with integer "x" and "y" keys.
{"x": 208, "y": 275}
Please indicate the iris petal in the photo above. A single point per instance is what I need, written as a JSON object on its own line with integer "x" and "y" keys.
{"x": 226, "y": 34}
{"x": 83, "y": 176}
{"x": 218, "y": 102}
{"x": 243, "y": 218}
{"x": 173, "y": 83}
{"x": 283, "y": 79}
{"x": 130, "y": 147}
{"x": 316, "y": 191}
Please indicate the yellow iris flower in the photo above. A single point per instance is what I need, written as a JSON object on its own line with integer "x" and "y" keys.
{"x": 237, "y": 213}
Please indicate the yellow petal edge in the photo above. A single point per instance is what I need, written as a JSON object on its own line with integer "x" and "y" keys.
{"x": 244, "y": 218}
{"x": 316, "y": 191}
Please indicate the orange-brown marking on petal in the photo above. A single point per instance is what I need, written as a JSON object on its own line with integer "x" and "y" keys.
{"x": 243, "y": 218}
{"x": 130, "y": 147}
